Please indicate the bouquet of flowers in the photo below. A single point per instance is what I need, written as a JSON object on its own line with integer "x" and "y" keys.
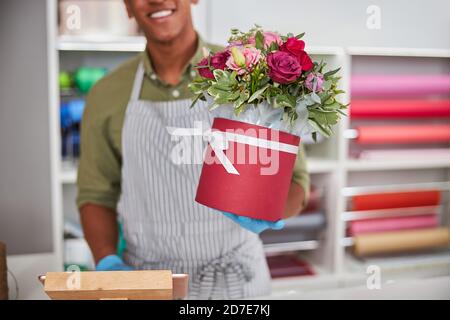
{"x": 272, "y": 72}
{"x": 265, "y": 93}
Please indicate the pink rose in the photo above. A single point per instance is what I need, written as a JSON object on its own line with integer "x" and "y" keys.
{"x": 242, "y": 60}
{"x": 283, "y": 67}
{"x": 218, "y": 61}
{"x": 314, "y": 77}
{"x": 269, "y": 37}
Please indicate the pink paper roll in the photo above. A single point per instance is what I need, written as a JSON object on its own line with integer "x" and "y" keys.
{"x": 391, "y": 224}
{"x": 376, "y": 109}
{"x": 392, "y": 134}
{"x": 399, "y": 85}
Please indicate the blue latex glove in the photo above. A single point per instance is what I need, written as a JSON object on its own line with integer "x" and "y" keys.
{"x": 254, "y": 225}
{"x": 112, "y": 263}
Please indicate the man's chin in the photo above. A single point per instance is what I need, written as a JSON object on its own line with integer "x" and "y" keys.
{"x": 162, "y": 37}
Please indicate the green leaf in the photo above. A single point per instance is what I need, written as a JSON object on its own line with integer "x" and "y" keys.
{"x": 330, "y": 73}
{"x": 259, "y": 40}
{"x": 273, "y": 47}
{"x": 299, "y": 36}
{"x": 215, "y": 91}
{"x": 285, "y": 100}
{"x": 325, "y": 119}
{"x": 257, "y": 93}
{"x": 243, "y": 96}
{"x": 195, "y": 100}
{"x": 324, "y": 131}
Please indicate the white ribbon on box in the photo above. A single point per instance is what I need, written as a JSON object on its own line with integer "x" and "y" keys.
{"x": 219, "y": 140}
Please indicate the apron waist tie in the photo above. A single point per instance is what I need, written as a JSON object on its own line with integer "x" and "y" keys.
{"x": 233, "y": 271}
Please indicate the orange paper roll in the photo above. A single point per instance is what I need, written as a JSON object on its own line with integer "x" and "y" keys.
{"x": 392, "y": 200}
{"x": 401, "y": 241}
{"x": 393, "y": 134}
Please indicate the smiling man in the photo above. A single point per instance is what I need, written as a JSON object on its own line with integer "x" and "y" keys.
{"x": 126, "y": 174}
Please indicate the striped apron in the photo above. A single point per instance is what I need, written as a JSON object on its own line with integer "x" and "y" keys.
{"x": 163, "y": 226}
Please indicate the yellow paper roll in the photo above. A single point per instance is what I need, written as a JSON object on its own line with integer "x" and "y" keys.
{"x": 401, "y": 241}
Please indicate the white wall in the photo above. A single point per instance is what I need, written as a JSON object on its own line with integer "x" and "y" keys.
{"x": 404, "y": 23}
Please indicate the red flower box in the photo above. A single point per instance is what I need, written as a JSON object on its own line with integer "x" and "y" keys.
{"x": 247, "y": 170}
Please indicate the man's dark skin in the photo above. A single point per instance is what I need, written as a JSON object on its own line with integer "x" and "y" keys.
{"x": 171, "y": 43}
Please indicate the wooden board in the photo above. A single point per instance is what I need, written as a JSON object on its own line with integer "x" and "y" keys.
{"x": 134, "y": 285}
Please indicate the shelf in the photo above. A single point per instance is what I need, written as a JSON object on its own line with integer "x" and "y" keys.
{"x": 68, "y": 174}
{"x": 358, "y": 190}
{"x": 370, "y": 165}
{"x": 325, "y": 51}
{"x": 428, "y": 262}
{"x": 398, "y": 52}
{"x": 291, "y": 246}
{"x": 123, "y": 44}
{"x": 137, "y": 44}
{"x": 316, "y": 165}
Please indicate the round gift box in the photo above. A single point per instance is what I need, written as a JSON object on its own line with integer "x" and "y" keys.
{"x": 260, "y": 184}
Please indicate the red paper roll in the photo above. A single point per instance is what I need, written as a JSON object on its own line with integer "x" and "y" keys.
{"x": 376, "y": 201}
{"x": 393, "y": 134}
{"x": 391, "y": 224}
{"x": 361, "y": 109}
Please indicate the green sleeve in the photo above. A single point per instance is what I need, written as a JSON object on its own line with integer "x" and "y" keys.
{"x": 99, "y": 171}
{"x": 301, "y": 175}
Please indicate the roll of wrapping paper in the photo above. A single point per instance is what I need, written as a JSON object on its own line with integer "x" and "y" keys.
{"x": 403, "y": 134}
{"x": 401, "y": 241}
{"x": 375, "y": 109}
{"x": 404, "y": 154}
{"x": 288, "y": 266}
{"x": 3, "y": 273}
{"x": 399, "y": 85}
{"x": 391, "y": 224}
{"x": 418, "y": 198}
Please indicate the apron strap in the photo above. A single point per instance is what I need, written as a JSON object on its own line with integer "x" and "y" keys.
{"x": 137, "y": 84}
{"x": 234, "y": 272}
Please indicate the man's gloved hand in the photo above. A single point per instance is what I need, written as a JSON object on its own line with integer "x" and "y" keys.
{"x": 254, "y": 225}
{"x": 112, "y": 263}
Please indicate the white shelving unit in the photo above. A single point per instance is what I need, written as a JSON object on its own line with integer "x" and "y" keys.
{"x": 328, "y": 162}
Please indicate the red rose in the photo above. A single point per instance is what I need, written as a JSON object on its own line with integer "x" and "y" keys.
{"x": 305, "y": 61}
{"x": 296, "y": 47}
{"x": 204, "y": 70}
{"x": 217, "y": 61}
{"x": 283, "y": 67}
{"x": 293, "y": 46}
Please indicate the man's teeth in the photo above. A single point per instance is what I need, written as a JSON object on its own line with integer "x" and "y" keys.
{"x": 161, "y": 14}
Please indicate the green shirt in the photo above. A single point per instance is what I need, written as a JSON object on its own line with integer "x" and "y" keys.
{"x": 99, "y": 172}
